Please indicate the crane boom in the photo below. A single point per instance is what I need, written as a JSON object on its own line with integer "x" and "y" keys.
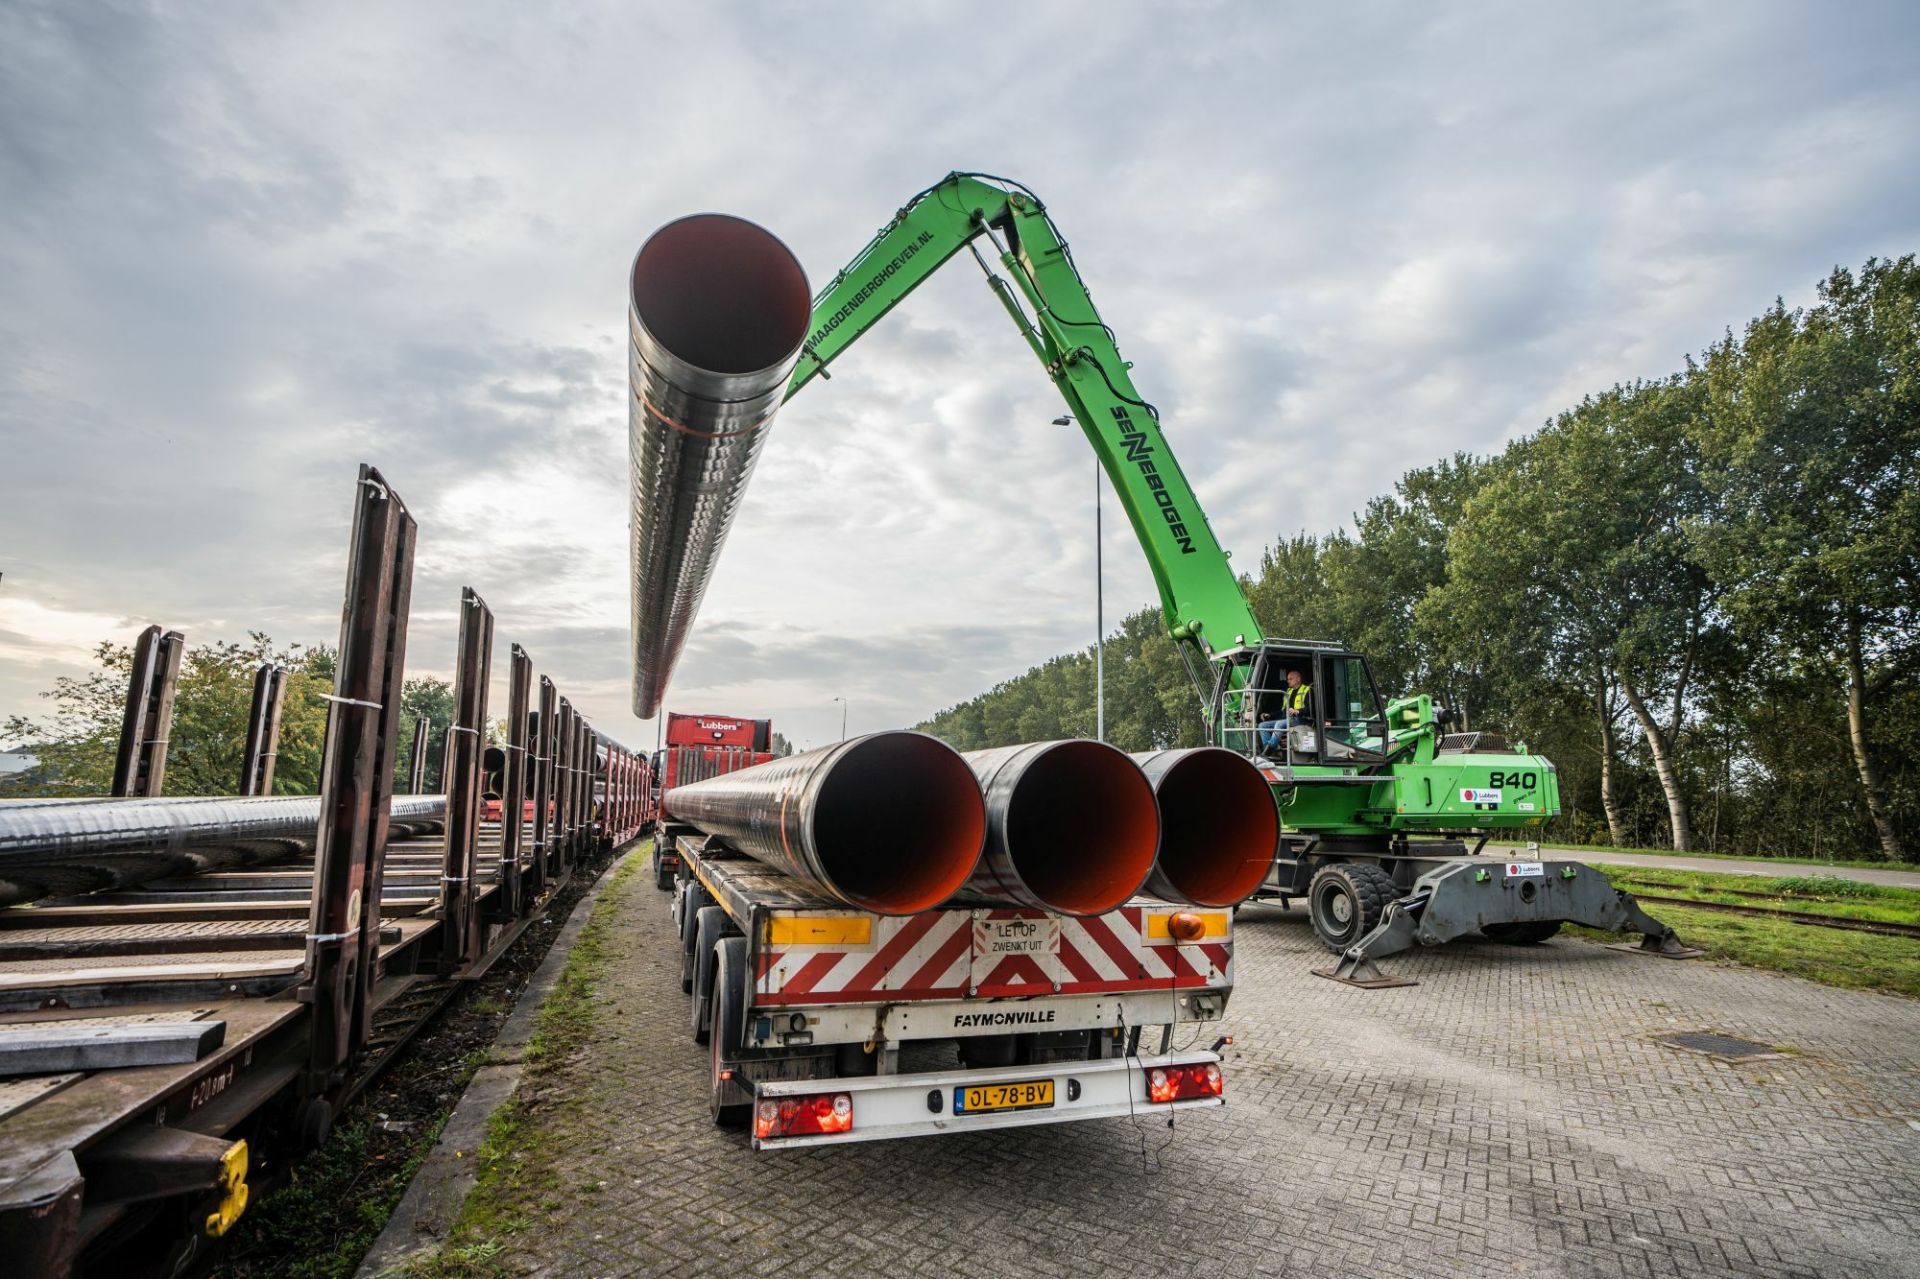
{"x": 1199, "y": 592}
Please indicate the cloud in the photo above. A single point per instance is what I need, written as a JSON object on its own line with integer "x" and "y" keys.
{"x": 248, "y": 247}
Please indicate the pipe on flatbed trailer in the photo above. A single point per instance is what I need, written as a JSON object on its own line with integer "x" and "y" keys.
{"x": 717, "y": 311}
{"x": 64, "y": 847}
{"x": 1219, "y": 826}
{"x": 1072, "y": 826}
{"x": 892, "y": 822}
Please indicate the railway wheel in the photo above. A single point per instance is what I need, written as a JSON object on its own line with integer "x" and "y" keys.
{"x": 708, "y": 927}
{"x": 729, "y": 1017}
{"x": 1345, "y": 901}
{"x": 1526, "y": 932}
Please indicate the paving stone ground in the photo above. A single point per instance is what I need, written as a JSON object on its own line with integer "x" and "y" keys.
{"x": 1510, "y": 1115}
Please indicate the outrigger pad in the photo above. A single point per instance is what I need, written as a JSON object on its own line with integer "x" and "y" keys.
{"x": 1667, "y": 947}
{"x": 1363, "y": 973}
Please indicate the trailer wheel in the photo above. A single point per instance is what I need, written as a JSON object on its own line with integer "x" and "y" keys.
{"x": 709, "y": 926}
{"x": 691, "y": 903}
{"x": 662, "y": 877}
{"x": 1527, "y": 932}
{"x": 729, "y": 1017}
{"x": 1345, "y": 901}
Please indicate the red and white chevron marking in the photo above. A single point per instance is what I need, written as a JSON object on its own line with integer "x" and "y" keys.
{"x": 951, "y": 954}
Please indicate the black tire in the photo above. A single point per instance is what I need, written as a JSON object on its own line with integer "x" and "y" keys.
{"x": 1527, "y": 932}
{"x": 708, "y": 928}
{"x": 691, "y": 903}
{"x": 729, "y": 1016}
{"x": 662, "y": 875}
{"x": 1345, "y": 901}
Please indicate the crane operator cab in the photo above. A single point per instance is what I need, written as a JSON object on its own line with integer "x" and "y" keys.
{"x": 1298, "y": 702}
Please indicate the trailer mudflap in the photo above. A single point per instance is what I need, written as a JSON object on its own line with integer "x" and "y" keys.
{"x": 1469, "y": 895}
{"x": 922, "y": 1104}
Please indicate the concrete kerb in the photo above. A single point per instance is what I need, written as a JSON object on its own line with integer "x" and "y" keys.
{"x": 426, "y": 1212}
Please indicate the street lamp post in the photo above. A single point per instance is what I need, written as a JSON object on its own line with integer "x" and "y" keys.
{"x": 843, "y": 717}
{"x": 1099, "y": 608}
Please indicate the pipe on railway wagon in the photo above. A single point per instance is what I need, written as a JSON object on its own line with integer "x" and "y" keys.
{"x": 717, "y": 311}
{"x": 65, "y": 847}
{"x": 1072, "y": 826}
{"x": 1219, "y": 826}
{"x": 890, "y": 822}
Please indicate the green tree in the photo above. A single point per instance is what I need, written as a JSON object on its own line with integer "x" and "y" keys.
{"x": 1574, "y": 557}
{"x": 424, "y": 697}
{"x": 78, "y": 739}
{"x": 1811, "y": 439}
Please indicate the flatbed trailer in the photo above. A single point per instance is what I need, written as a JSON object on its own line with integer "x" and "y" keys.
{"x": 826, "y": 1024}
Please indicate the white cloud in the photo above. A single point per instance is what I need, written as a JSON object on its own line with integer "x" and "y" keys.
{"x": 248, "y": 247}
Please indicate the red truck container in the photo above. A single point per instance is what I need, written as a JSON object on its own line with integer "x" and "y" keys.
{"x": 698, "y": 747}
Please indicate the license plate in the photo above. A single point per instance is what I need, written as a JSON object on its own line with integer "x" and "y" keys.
{"x": 1034, "y": 1094}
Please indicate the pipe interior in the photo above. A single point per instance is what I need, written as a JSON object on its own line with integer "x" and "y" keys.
{"x": 1082, "y": 828}
{"x": 721, "y": 293}
{"x": 1221, "y": 828}
{"x": 900, "y": 823}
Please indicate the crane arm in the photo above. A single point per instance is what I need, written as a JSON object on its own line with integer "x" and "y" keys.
{"x": 1049, "y": 303}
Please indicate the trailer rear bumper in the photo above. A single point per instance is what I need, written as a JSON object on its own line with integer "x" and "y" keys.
{"x": 922, "y": 1105}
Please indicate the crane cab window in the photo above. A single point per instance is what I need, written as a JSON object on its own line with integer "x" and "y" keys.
{"x": 1351, "y": 712}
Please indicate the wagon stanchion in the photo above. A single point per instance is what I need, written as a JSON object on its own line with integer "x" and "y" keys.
{"x": 355, "y": 784}
{"x": 509, "y": 903}
{"x": 564, "y": 741}
{"x": 263, "y": 730}
{"x": 582, "y": 786}
{"x": 140, "y": 762}
{"x": 459, "y": 924}
{"x": 543, "y": 783}
{"x": 417, "y": 760}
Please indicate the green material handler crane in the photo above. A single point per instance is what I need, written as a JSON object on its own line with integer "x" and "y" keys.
{"x": 1377, "y": 799}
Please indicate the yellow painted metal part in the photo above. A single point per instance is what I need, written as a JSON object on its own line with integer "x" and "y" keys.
{"x": 233, "y": 1188}
{"x": 1215, "y": 920}
{"x": 819, "y": 930}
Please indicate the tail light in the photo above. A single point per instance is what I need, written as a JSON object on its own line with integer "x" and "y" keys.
{"x": 1181, "y": 1083}
{"x": 812, "y": 1113}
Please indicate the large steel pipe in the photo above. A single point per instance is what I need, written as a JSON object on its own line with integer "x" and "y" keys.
{"x": 890, "y": 822}
{"x": 1219, "y": 826}
{"x": 717, "y": 311}
{"x": 63, "y": 847}
{"x": 1072, "y": 826}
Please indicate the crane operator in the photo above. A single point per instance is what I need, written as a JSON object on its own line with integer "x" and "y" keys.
{"x": 1296, "y": 708}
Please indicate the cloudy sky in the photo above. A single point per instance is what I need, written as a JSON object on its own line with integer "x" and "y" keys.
{"x": 245, "y": 247}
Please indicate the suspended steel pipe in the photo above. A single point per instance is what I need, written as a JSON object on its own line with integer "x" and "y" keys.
{"x": 1072, "y": 826}
{"x": 64, "y": 847}
{"x": 1219, "y": 826}
{"x": 889, "y": 822}
{"x": 717, "y": 310}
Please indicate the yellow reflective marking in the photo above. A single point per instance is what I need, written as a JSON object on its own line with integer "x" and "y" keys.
{"x": 232, "y": 1189}
{"x": 819, "y": 930}
{"x": 1216, "y": 922}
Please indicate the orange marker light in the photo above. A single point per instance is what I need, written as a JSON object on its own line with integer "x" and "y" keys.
{"x": 1185, "y": 926}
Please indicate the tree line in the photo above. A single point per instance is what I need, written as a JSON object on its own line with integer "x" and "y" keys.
{"x": 1696, "y": 594}
{"x": 75, "y": 741}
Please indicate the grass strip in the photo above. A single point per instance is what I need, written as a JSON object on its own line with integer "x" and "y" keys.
{"x": 1829, "y": 956}
{"x": 514, "y": 1165}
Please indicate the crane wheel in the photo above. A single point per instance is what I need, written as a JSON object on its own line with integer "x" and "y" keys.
{"x": 1526, "y": 932}
{"x": 1345, "y": 901}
